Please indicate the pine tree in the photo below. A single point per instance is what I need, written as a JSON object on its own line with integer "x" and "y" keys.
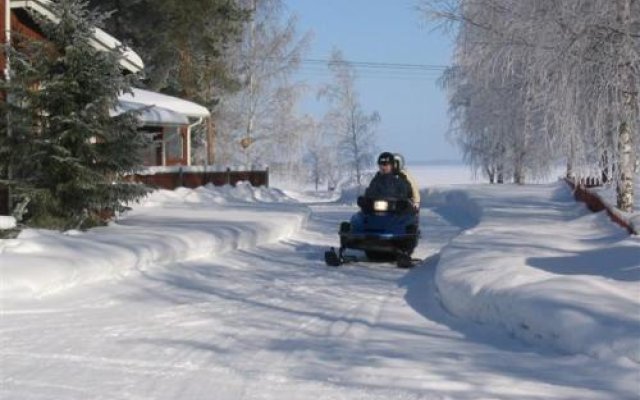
{"x": 183, "y": 42}
{"x": 62, "y": 152}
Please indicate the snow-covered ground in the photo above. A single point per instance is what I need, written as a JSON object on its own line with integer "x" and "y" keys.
{"x": 429, "y": 175}
{"x": 7, "y": 222}
{"x": 167, "y": 227}
{"x": 221, "y": 293}
{"x": 545, "y": 269}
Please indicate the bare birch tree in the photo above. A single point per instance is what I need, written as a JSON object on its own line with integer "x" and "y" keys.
{"x": 320, "y": 158}
{"x": 253, "y": 121}
{"x": 352, "y": 127}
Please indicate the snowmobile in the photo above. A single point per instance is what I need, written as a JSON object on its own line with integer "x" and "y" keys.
{"x": 386, "y": 229}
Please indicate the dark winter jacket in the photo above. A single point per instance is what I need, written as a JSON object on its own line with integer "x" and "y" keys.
{"x": 388, "y": 185}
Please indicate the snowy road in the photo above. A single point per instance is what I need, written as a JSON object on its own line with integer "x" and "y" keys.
{"x": 274, "y": 323}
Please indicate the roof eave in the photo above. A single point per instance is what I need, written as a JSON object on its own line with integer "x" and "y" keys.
{"x": 101, "y": 40}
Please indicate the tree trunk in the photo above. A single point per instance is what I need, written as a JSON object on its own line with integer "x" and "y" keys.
{"x": 518, "y": 173}
{"x": 626, "y": 147}
{"x": 354, "y": 143}
{"x": 604, "y": 167}
{"x": 491, "y": 173}
{"x": 625, "y": 170}
{"x": 252, "y": 89}
{"x": 571, "y": 159}
{"x": 211, "y": 141}
{"x": 500, "y": 165}
{"x": 570, "y": 174}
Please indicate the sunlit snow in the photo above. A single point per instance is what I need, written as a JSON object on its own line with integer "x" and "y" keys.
{"x": 222, "y": 293}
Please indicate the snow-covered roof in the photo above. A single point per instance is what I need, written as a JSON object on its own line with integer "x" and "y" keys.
{"x": 150, "y": 115}
{"x": 101, "y": 40}
{"x": 159, "y": 109}
{"x": 149, "y": 98}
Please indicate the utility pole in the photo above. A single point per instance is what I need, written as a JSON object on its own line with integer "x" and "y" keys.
{"x": 252, "y": 86}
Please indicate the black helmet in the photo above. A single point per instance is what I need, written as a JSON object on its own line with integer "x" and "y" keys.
{"x": 386, "y": 158}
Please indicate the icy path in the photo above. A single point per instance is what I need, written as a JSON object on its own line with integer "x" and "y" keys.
{"x": 274, "y": 323}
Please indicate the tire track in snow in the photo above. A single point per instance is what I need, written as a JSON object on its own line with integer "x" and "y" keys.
{"x": 347, "y": 327}
{"x": 274, "y": 322}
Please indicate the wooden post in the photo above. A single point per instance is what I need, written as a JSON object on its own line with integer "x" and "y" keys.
{"x": 211, "y": 141}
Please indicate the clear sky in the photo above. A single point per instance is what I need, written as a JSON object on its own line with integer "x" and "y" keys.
{"x": 413, "y": 108}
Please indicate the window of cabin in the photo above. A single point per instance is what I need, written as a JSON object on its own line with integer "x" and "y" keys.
{"x": 152, "y": 154}
{"x": 173, "y": 144}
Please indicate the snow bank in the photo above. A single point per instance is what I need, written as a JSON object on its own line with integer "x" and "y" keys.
{"x": 454, "y": 205}
{"x": 349, "y": 194}
{"x": 172, "y": 169}
{"x": 166, "y": 227}
{"x": 7, "y": 222}
{"x": 543, "y": 267}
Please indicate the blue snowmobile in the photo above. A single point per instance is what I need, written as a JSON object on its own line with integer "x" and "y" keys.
{"x": 386, "y": 229}
{"x": 387, "y": 226}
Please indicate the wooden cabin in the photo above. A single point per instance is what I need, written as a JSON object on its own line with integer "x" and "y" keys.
{"x": 167, "y": 120}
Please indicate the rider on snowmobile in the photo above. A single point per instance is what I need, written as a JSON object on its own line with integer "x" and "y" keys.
{"x": 392, "y": 180}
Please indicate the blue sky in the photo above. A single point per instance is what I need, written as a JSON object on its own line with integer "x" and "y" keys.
{"x": 413, "y": 110}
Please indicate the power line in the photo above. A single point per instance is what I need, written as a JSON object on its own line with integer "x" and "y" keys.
{"x": 379, "y": 65}
{"x": 369, "y": 70}
{"x": 320, "y": 67}
{"x": 373, "y": 75}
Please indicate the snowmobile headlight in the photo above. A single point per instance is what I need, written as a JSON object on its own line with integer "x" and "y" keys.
{"x": 380, "y": 205}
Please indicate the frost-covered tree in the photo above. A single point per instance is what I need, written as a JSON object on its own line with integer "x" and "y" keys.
{"x": 288, "y": 131}
{"x": 63, "y": 154}
{"x": 572, "y": 68}
{"x": 258, "y": 124}
{"x": 347, "y": 121}
{"x": 320, "y": 157}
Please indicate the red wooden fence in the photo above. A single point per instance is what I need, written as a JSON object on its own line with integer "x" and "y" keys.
{"x": 172, "y": 180}
{"x": 193, "y": 179}
{"x": 595, "y": 204}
